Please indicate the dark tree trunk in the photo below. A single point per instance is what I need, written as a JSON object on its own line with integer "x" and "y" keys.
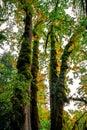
{"x": 22, "y": 110}
{"x": 24, "y": 64}
{"x": 57, "y": 84}
{"x": 53, "y": 79}
{"x": 60, "y": 91}
{"x": 34, "y": 88}
{"x": 60, "y": 87}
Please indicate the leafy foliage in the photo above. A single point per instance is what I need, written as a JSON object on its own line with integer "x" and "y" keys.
{"x": 67, "y": 31}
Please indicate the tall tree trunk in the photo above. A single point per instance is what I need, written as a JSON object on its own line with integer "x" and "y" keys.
{"x": 24, "y": 63}
{"x": 53, "y": 79}
{"x": 57, "y": 84}
{"x": 60, "y": 91}
{"x": 34, "y": 108}
{"x": 24, "y": 68}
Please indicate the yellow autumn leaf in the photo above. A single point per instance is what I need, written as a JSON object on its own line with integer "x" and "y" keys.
{"x": 71, "y": 47}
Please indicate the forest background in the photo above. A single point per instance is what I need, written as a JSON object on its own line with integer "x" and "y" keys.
{"x": 45, "y": 44}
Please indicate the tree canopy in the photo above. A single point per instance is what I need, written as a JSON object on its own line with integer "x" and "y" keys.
{"x": 43, "y": 43}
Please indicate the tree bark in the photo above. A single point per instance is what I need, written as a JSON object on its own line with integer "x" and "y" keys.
{"x": 57, "y": 84}
{"x": 24, "y": 68}
{"x": 24, "y": 63}
{"x": 60, "y": 88}
{"x": 34, "y": 88}
{"x": 53, "y": 78}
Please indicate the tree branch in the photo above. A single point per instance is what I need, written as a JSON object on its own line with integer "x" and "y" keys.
{"x": 77, "y": 121}
{"x": 78, "y": 99}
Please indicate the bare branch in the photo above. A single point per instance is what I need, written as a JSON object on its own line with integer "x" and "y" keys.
{"x": 78, "y": 99}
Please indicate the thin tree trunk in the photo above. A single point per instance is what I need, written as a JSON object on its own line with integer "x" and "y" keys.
{"x": 60, "y": 89}
{"x": 34, "y": 88}
{"x": 53, "y": 79}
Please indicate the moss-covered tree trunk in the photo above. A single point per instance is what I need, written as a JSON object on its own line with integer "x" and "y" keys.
{"x": 60, "y": 91}
{"x": 20, "y": 108}
{"x": 57, "y": 84}
{"x": 53, "y": 78}
{"x": 34, "y": 88}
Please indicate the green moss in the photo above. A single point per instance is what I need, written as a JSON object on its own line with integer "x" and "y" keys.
{"x": 34, "y": 87}
{"x": 24, "y": 72}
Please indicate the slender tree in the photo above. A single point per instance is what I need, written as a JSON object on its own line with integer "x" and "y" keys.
{"x": 53, "y": 78}
{"x": 34, "y": 88}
